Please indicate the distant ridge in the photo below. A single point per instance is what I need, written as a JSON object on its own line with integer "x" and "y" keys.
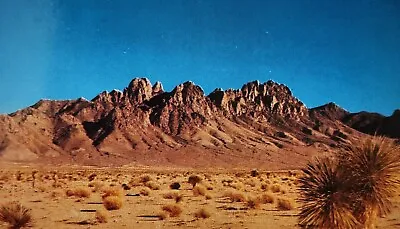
{"x": 259, "y": 125}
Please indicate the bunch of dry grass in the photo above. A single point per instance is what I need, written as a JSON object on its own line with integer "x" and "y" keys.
{"x": 235, "y": 196}
{"x": 112, "y": 202}
{"x": 253, "y": 203}
{"x": 112, "y": 191}
{"x": 16, "y": 215}
{"x": 267, "y": 198}
{"x": 199, "y": 190}
{"x": 145, "y": 191}
{"x": 285, "y": 204}
{"x": 96, "y": 185}
{"x": 173, "y": 195}
{"x": 194, "y": 179}
{"x": 174, "y": 210}
{"x": 152, "y": 185}
{"x": 203, "y": 213}
{"x": 101, "y": 216}
{"x": 275, "y": 188}
{"x": 81, "y": 192}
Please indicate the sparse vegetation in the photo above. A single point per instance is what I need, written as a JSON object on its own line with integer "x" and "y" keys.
{"x": 112, "y": 202}
{"x": 81, "y": 192}
{"x": 174, "y": 210}
{"x": 202, "y": 213}
{"x": 194, "y": 179}
{"x": 285, "y": 204}
{"x": 101, "y": 216}
{"x": 175, "y": 185}
{"x": 352, "y": 190}
{"x": 199, "y": 190}
{"x": 16, "y": 215}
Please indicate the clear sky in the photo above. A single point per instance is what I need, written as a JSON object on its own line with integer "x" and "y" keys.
{"x": 345, "y": 51}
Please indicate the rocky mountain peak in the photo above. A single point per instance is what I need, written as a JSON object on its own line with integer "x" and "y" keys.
{"x": 139, "y": 90}
{"x": 157, "y": 88}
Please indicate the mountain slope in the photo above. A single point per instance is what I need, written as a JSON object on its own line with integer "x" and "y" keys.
{"x": 259, "y": 125}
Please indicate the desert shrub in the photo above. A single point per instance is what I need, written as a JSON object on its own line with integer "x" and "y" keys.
{"x": 235, "y": 196}
{"x": 96, "y": 185}
{"x": 285, "y": 204}
{"x": 199, "y": 190}
{"x": 112, "y": 191}
{"x": 373, "y": 170}
{"x": 354, "y": 191}
{"x": 208, "y": 196}
{"x": 162, "y": 215}
{"x": 275, "y": 188}
{"x": 174, "y": 210}
{"x": 145, "y": 191}
{"x": 202, "y": 213}
{"x": 126, "y": 187}
{"x": 145, "y": 178}
{"x": 253, "y": 203}
{"x": 16, "y": 215}
{"x": 194, "y": 179}
{"x": 264, "y": 186}
{"x": 112, "y": 202}
{"x": 175, "y": 186}
{"x": 173, "y": 195}
{"x": 92, "y": 176}
{"x": 267, "y": 198}
{"x": 254, "y": 173}
{"x": 152, "y": 185}
{"x": 101, "y": 216}
{"x": 81, "y": 192}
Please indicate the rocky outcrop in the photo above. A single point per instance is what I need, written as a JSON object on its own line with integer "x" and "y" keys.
{"x": 259, "y": 124}
{"x": 266, "y": 100}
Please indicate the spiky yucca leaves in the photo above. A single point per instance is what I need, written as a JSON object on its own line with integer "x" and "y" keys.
{"x": 325, "y": 204}
{"x": 16, "y": 215}
{"x": 374, "y": 170}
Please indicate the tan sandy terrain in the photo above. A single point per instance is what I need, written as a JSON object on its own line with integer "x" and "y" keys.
{"x": 231, "y": 198}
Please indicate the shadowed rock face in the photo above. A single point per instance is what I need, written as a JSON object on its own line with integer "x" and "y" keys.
{"x": 261, "y": 124}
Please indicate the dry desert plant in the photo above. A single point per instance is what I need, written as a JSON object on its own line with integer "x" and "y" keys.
{"x": 373, "y": 171}
{"x": 253, "y": 203}
{"x": 16, "y": 215}
{"x": 324, "y": 197}
{"x": 275, "y": 188}
{"x": 235, "y": 196}
{"x": 267, "y": 198}
{"x": 174, "y": 210}
{"x": 194, "y": 179}
{"x": 101, "y": 216}
{"x": 199, "y": 190}
{"x": 173, "y": 195}
{"x": 81, "y": 192}
{"x": 112, "y": 191}
{"x": 285, "y": 204}
{"x": 175, "y": 185}
{"x": 203, "y": 213}
{"x": 152, "y": 185}
{"x": 112, "y": 202}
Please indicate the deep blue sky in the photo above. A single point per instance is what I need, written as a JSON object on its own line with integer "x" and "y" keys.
{"x": 345, "y": 51}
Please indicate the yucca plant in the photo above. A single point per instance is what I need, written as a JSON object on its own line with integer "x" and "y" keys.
{"x": 374, "y": 170}
{"x": 325, "y": 203}
{"x": 352, "y": 190}
{"x": 16, "y": 215}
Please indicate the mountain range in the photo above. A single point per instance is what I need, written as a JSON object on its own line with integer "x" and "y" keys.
{"x": 261, "y": 125}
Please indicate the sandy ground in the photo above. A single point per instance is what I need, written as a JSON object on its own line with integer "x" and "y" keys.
{"x": 52, "y": 208}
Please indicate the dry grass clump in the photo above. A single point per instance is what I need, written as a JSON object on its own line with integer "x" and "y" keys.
{"x": 145, "y": 178}
{"x": 112, "y": 202}
{"x": 264, "y": 186}
{"x": 275, "y": 188}
{"x": 267, "y": 198}
{"x": 353, "y": 191}
{"x": 285, "y": 204}
{"x": 235, "y": 196}
{"x": 174, "y": 210}
{"x": 101, "y": 216}
{"x": 253, "y": 203}
{"x": 145, "y": 191}
{"x": 194, "y": 179}
{"x": 16, "y": 215}
{"x": 199, "y": 190}
{"x": 173, "y": 195}
{"x": 152, "y": 185}
{"x": 251, "y": 182}
{"x": 203, "y": 213}
{"x": 96, "y": 186}
{"x": 112, "y": 191}
{"x": 81, "y": 192}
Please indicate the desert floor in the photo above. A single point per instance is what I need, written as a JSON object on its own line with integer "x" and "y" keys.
{"x": 228, "y": 197}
